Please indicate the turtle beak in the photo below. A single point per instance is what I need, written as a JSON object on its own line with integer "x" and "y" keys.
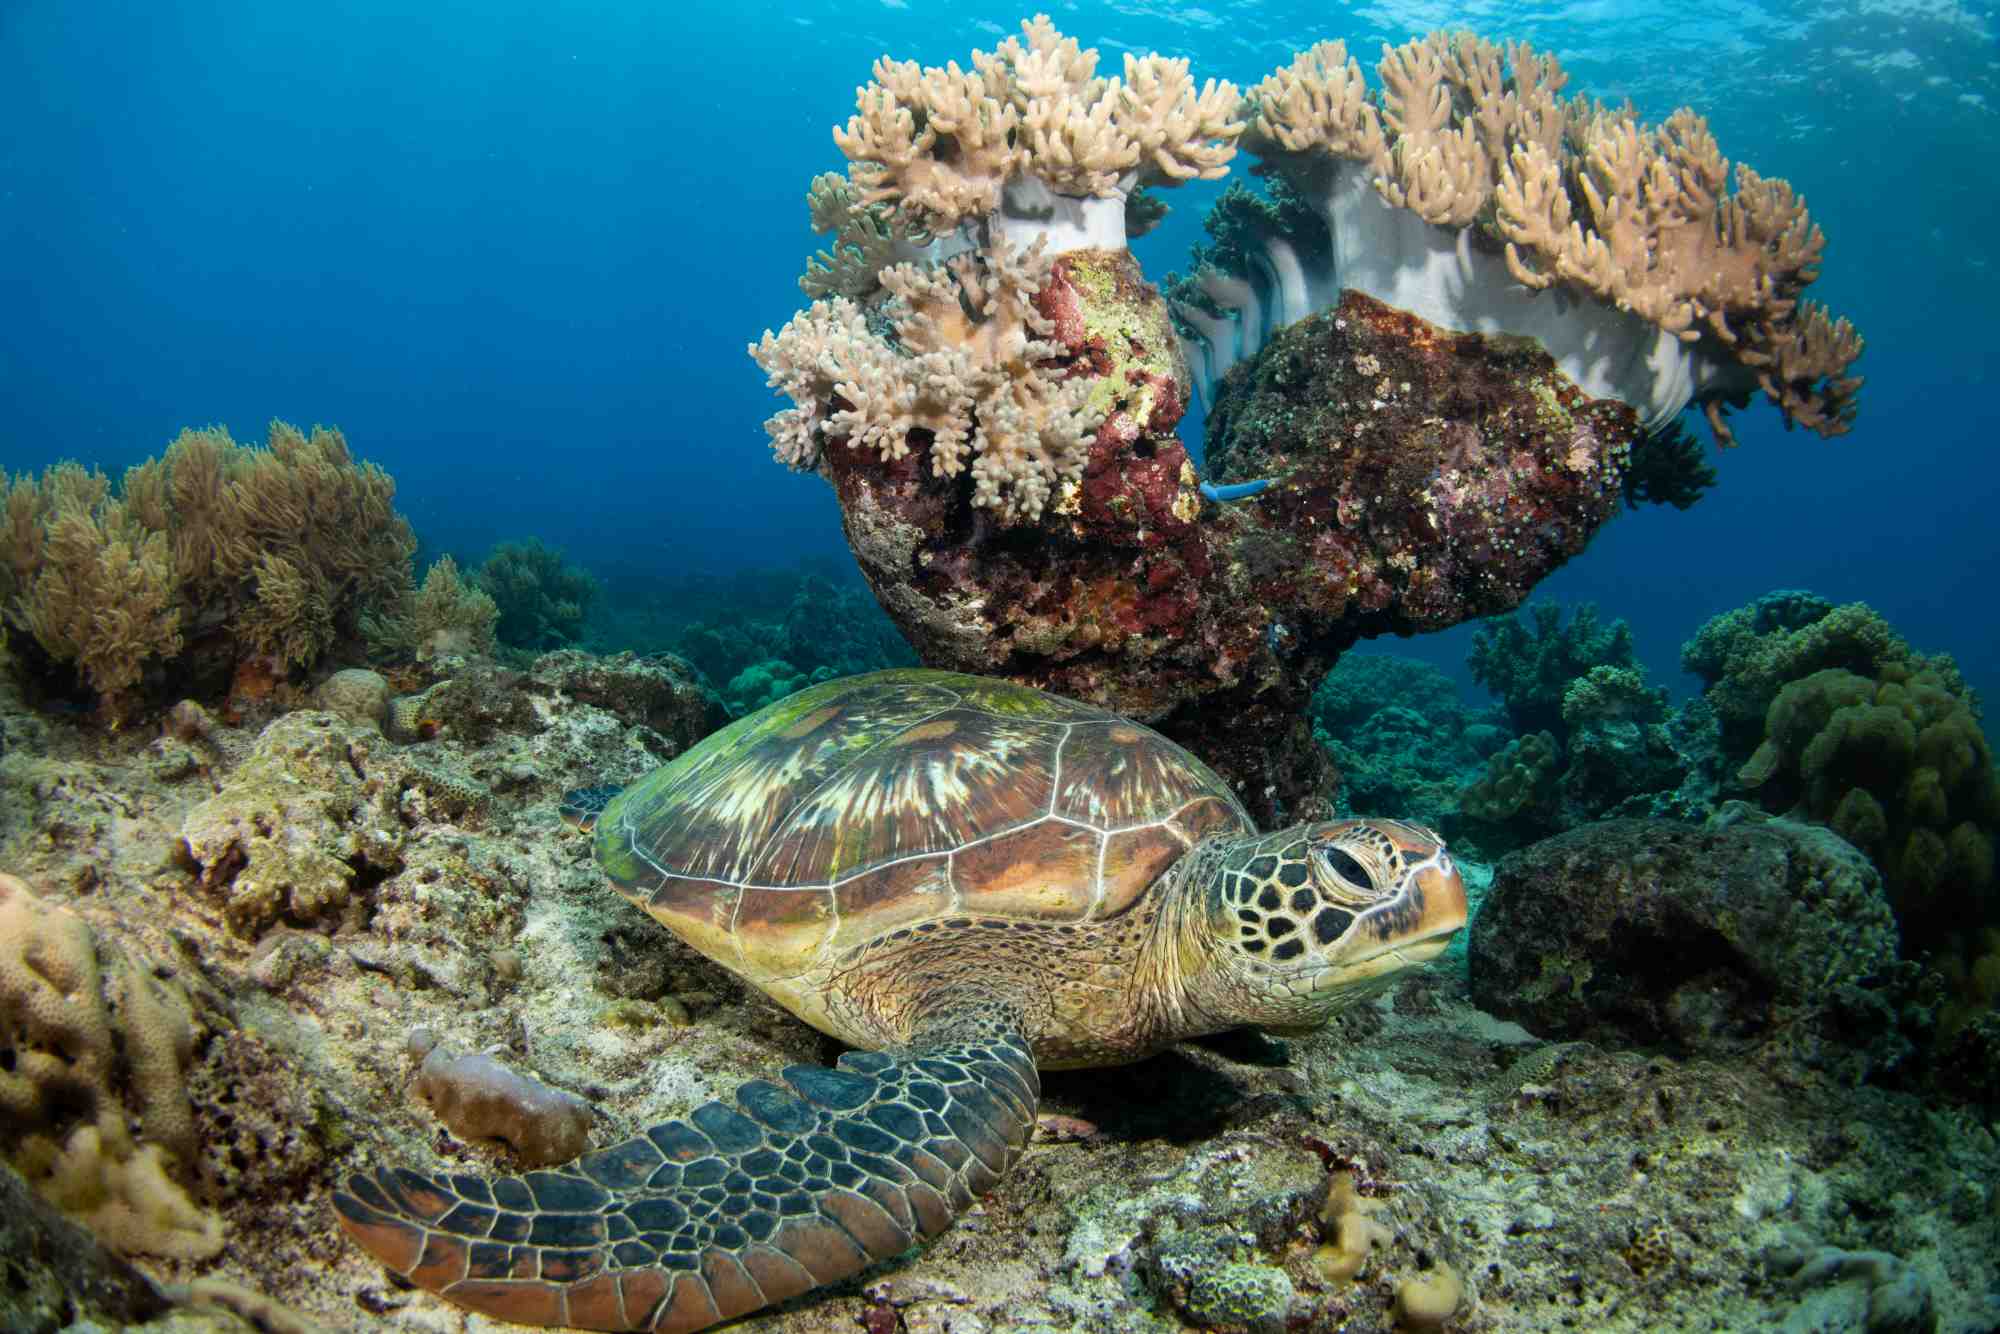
{"x": 1441, "y": 890}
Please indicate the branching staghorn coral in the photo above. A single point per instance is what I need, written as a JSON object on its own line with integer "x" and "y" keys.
{"x": 215, "y": 550}
{"x": 1521, "y": 188}
{"x": 966, "y": 370}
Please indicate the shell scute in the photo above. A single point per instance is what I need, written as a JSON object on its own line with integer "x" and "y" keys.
{"x": 928, "y": 787}
{"x": 910, "y": 890}
{"x": 1133, "y": 860}
{"x": 1116, "y": 773}
{"x": 1041, "y": 870}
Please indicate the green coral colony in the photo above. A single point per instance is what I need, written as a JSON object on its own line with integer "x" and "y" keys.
{"x": 970, "y": 880}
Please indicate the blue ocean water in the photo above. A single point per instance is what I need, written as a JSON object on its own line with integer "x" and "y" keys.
{"x": 515, "y": 252}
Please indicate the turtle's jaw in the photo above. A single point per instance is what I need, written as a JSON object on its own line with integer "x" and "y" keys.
{"x": 1370, "y": 972}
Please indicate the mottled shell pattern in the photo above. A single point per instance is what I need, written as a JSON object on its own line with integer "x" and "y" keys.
{"x": 871, "y": 803}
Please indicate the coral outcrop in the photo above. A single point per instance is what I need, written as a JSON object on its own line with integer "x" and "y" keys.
{"x": 94, "y": 1057}
{"x": 1411, "y": 438}
{"x": 1827, "y": 714}
{"x": 301, "y": 829}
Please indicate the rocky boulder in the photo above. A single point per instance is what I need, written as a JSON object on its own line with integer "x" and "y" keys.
{"x": 1695, "y": 939}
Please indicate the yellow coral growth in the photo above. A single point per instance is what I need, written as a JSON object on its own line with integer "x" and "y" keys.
{"x": 1356, "y": 1233}
{"x": 446, "y": 616}
{"x": 96, "y": 1044}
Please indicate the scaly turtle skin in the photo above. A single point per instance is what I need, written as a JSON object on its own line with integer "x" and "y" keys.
{"x": 968, "y": 879}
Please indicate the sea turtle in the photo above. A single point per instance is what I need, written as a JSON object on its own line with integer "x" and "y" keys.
{"x": 968, "y": 879}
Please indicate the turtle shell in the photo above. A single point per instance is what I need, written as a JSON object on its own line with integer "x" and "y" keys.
{"x": 874, "y": 802}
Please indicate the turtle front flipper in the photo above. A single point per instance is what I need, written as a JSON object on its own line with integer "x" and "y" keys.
{"x": 703, "y": 1220}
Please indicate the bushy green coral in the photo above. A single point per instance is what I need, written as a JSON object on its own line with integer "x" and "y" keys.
{"x": 1612, "y": 694}
{"x": 1748, "y": 655}
{"x": 765, "y": 683}
{"x": 1899, "y": 767}
{"x": 1620, "y": 748}
{"x": 541, "y": 597}
{"x": 1238, "y": 225}
{"x": 1400, "y": 734}
{"x": 1529, "y": 663}
{"x": 1519, "y": 782}
{"x": 1362, "y": 684}
{"x": 212, "y": 554}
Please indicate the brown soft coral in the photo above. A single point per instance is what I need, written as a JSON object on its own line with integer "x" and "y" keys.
{"x": 212, "y": 554}
{"x": 449, "y": 616}
{"x": 88, "y": 580}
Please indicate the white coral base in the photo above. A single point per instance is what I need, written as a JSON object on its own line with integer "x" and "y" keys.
{"x": 1436, "y": 273}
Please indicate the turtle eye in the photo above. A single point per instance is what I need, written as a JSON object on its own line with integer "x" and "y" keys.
{"x": 1341, "y": 865}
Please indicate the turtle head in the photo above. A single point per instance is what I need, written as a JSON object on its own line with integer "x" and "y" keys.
{"x": 1313, "y": 918}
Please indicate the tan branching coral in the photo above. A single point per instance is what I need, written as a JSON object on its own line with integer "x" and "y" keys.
{"x": 968, "y": 374}
{"x": 1470, "y": 132}
{"x": 1317, "y": 103}
{"x": 275, "y": 550}
{"x": 940, "y": 145}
